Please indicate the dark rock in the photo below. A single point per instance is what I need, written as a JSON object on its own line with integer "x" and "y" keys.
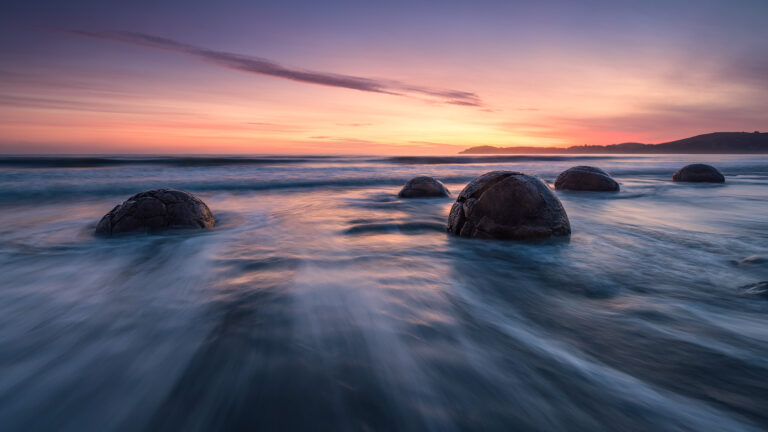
{"x": 756, "y": 289}
{"x": 507, "y": 205}
{"x": 585, "y": 178}
{"x": 423, "y": 186}
{"x": 698, "y": 173}
{"x": 156, "y": 210}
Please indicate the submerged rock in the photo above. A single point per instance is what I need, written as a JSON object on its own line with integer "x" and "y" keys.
{"x": 585, "y": 178}
{"x": 702, "y": 173}
{"x": 423, "y": 186}
{"x": 156, "y": 210}
{"x": 508, "y": 205}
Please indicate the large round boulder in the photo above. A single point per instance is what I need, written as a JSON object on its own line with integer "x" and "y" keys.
{"x": 423, "y": 186}
{"x": 508, "y": 205}
{"x": 586, "y": 178}
{"x": 156, "y": 210}
{"x": 698, "y": 173}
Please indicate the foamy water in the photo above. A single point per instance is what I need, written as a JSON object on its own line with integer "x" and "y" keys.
{"x": 322, "y": 301}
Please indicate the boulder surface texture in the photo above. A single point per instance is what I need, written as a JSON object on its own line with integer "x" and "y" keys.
{"x": 699, "y": 173}
{"x": 423, "y": 186}
{"x": 586, "y": 178}
{"x": 156, "y": 210}
{"x": 508, "y": 205}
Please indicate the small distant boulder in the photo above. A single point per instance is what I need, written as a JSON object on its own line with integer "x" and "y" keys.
{"x": 701, "y": 173}
{"x": 508, "y": 205}
{"x": 423, "y": 186}
{"x": 586, "y": 178}
{"x": 156, "y": 210}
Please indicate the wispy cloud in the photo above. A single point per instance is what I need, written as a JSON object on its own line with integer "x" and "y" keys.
{"x": 432, "y": 144}
{"x": 119, "y": 107}
{"x": 275, "y": 127}
{"x": 261, "y": 66}
{"x": 748, "y": 67}
{"x": 354, "y": 124}
{"x": 344, "y": 140}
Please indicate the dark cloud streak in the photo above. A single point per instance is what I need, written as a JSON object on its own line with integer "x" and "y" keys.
{"x": 16, "y": 101}
{"x": 266, "y": 67}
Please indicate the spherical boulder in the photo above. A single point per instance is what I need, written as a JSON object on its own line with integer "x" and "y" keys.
{"x": 423, "y": 186}
{"x": 156, "y": 210}
{"x": 586, "y": 178}
{"x": 701, "y": 173}
{"x": 508, "y": 205}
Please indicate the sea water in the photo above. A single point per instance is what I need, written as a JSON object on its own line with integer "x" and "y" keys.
{"x": 322, "y": 301}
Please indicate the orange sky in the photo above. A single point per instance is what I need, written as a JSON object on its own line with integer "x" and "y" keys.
{"x": 358, "y": 92}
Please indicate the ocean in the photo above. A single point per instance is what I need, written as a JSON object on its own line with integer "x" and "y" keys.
{"x": 322, "y": 301}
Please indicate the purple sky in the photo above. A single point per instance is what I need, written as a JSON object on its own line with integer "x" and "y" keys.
{"x": 390, "y": 77}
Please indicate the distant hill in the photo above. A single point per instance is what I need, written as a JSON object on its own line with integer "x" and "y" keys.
{"x": 717, "y": 142}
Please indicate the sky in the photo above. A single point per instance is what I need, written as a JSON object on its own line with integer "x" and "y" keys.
{"x": 357, "y": 77}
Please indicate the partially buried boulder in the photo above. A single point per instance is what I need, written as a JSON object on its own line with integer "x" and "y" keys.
{"x": 156, "y": 210}
{"x": 701, "y": 173}
{"x": 508, "y": 205}
{"x": 423, "y": 186}
{"x": 586, "y": 178}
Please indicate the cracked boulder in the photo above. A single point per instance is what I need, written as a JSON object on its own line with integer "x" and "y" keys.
{"x": 156, "y": 210}
{"x": 586, "y": 178}
{"x": 508, "y": 205}
{"x": 423, "y": 186}
{"x": 701, "y": 173}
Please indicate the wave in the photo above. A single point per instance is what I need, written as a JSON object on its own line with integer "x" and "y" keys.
{"x": 73, "y": 162}
{"x": 450, "y": 160}
{"x": 54, "y": 192}
{"x": 203, "y": 161}
{"x": 393, "y": 227}
{"x": 40, "y": 189}
{"x": 179, "y": 161}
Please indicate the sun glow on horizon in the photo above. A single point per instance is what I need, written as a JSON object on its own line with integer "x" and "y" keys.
{"x": 465, "y": 78}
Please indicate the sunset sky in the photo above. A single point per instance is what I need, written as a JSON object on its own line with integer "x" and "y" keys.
{"x": 404, "y": 77}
